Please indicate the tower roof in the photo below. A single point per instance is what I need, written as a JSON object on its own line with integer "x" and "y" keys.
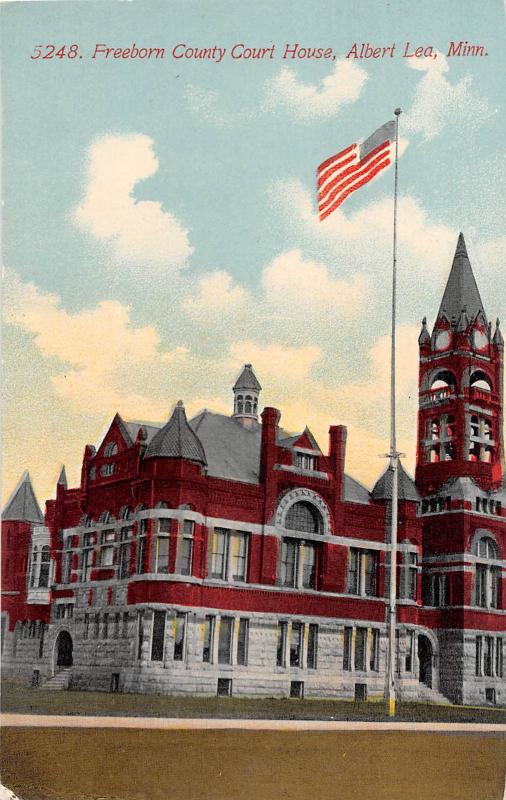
{"x": 22, "y": 505}
{"x": 177, "y": 440}
{"x": 247, "y": 380}
{"x": 406, "y": 486}
{"x": 62, "y": 480}
{"x": 461, "y": 293}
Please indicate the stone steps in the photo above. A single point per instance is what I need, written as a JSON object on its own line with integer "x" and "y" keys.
{"x": 59, "y": 682}
{"x": 425, "y": 694}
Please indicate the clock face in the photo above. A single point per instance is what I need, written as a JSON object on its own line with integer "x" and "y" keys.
{"x": 480, "y": 340}
{"x": 442, "y": 340}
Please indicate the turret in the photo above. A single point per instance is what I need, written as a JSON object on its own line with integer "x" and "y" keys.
{"x": 246, "y": 393}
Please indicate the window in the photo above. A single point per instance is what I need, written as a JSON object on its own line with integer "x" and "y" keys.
{"x": 224, "y": 687}
{"x": 117, "y": 618}
{"x": 499, "y": 658}
{"x": 96, "y": 626}
{"x": 487, "y": 575}
{"x": 124, "y": 631}
{"x": 158, "y": 638}
{"x": 45, "y": 561}
{"x": 298, "y": 563}
{"x": 304, "y": 517}
{"x": 242, "y": 642}
{"x": 225, "y": 640}
{"x": 185, "y": 563}
{"x": 347, "y": 648}
{"x": 488, "y": 656}
{"x": 374, "y": 654}
{"x": 67, "y": 561}
{"x": 360, "y": 649}
{"x": 86, "y": 628}
{"x": 106, "y": 470}
{"x": 296, "y": 640}
{"x": 410, "y": 649}
{"x": 87, "y": 556}
{"x": 60, "y": 611}
{"x": 207, "y": 653}
{"x": 107, "y": 548}
{"x": 162, "y": 547}
{"x": 303, "y": 461}
{"x": 124, "y": 552}
{"x": 179, "y": 636}
{"x": 110, "y": 449}
{"x": 229, "y": 555}
{"x": 33, "y": 566}
{"x": 105, "y": 626}
{"x": 70, "y": 610}
{"x": 281, "y": 646}
{"x": 140, "y": 632}
{"x": 362, "y": 572}
{"x": 141, "y": 547}
{"x": 312, "y": 647}
{"x": 410, "y": 576}
{"x": 479, "y": 655}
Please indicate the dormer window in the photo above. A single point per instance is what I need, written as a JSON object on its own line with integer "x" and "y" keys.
{"x": 110, "y": 449}
{"x": 107, "y": 469}
{"x": 304, "y": 461}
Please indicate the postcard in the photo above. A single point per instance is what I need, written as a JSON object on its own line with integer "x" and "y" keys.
{"x": 254, "y": 494}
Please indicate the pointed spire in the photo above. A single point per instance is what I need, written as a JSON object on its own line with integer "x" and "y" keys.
{"x": 424, "y": 337}
{"x": 22, "y": 505}
{"x": 406, "y": 487}
{"x": 498, "y": 337}
{"x": 62, "y": 480}
{"x": 461, "y": 293}
{"x": 177, "y": 440}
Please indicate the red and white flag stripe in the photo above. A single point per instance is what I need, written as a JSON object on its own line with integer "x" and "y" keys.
{"x": 348, "y": 170}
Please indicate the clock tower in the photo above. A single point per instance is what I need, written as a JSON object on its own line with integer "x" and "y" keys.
{"x": 460, "y": 416}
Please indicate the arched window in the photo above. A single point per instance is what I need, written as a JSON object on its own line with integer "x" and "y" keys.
{"x": 105, "y": 516}
{"x": 487, "y": 575}
{"x": 480, "y": 380}
{"x": 110, "y": 449}
{"x": 304, "y": 517}
{"x": 45, "y": 560}
{"x": 443, "y": 380}
{"x": 126, "y": 512}
{"x": 240, "y": 404}
{"x": 248, "y": 404}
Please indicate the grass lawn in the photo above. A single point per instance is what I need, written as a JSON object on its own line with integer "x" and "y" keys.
{"x": 17, "y": 697}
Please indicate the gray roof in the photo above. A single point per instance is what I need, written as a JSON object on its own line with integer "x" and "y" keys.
{"x": 22, "y": 505}
{"x": 177, "y": 440}
{"x": 354, "y": 492}
{"x": 383, "y": 488}
{"x": 149, "y": 428}
{"x": 232, "y": 450}
{"x": 247, "y": 380}
{"x": 461, "y": 293}
{"x": 62, "y": 480}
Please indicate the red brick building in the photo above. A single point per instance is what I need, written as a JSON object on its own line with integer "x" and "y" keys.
{"x": 222, "y": 554}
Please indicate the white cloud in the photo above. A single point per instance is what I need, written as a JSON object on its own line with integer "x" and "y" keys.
{"x": 215, "y": 293}
{"x": 139, "y": 233}
{"x": 310, "y": 101}
{"x": 438, "y": 103}
{"x": 104, "y": 361}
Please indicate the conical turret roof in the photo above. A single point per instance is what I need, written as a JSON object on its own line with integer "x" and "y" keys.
{"x": 22, "y": 505}
{"x": 177, "y": 440}
{"x": 406, "y": 486}
{"x": 461, "y": 293}
{"x": 247, "y": 380}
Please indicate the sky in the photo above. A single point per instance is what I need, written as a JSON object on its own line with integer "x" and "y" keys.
{"x": 159, "y": 216}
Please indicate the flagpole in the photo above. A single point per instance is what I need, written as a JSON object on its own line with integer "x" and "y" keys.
{"x": 394, "y": 460}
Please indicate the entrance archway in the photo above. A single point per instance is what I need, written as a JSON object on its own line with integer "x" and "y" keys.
{"x": 425, "y": 659}
{"x": 63, "y": 650}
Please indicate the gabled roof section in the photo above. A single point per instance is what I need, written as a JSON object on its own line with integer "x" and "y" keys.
{"x": 149, "y": 429}
{"x": 406, "y": 486}
{"x": 304, "y": 440}
{"x": 118, "y": 423}
{"x": 461, "y": 293}
{"x": 177, "y": 440}
{"x": 22, "y": 505}
{"x": 247, "y": 380}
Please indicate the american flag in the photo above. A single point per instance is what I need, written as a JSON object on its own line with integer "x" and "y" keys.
{"x": 347, "y": 171}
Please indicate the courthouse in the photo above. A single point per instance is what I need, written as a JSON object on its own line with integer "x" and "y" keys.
{"x": 224, "y": 555}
